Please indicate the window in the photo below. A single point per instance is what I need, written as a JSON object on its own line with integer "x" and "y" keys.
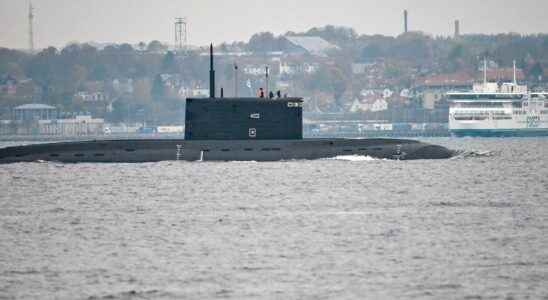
{"x": 99, "y": 154}
{"x": 225, "y": 150}
{"x": 516, "y": 104}
{"x": 130, "y": 150}
{"x": 54, "y": 155}
{"x": 248, "y": 149}
{"x": 79, "y": 155}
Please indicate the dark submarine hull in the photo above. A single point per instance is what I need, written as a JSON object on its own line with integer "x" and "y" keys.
{"x": 155, "y": 150}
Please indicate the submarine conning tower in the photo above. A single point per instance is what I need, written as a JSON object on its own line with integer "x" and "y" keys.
{"x": 242, "y": 118}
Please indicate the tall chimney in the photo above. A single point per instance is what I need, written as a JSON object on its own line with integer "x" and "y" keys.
{"x": 211, "y": 73}
{"x": 405, "y": 27}
{"x": 457, "y": 29}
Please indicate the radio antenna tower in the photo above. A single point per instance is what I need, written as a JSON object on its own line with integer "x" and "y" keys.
{"x": 181, "y": 34}
{"x": 31, "y": 28}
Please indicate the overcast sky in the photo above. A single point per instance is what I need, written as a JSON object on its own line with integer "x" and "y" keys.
{"x": 59, "y": 22}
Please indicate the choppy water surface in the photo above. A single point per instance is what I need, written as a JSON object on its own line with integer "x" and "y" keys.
{"x": 471, "y": 227}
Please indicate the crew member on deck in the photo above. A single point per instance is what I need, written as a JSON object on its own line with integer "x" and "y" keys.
{"x": 261, "y": 93}
{"x": 279, "y": 94}
{"x": 271, "y": 95}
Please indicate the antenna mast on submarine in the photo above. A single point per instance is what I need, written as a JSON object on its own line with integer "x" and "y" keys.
{"x": 267, "y": 81}
{"x": 211, "y": 73}
{"x": 235, "y": 80}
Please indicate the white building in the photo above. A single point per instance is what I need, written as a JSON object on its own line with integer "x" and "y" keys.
{"x": 81, "y": 125}
{"x": 369, "y": 105}
{"x": 91, "y": 97}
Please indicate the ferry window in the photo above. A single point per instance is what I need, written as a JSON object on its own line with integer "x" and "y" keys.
{"x": 130, "y": 150}
{"x": 205, "y": 150}
{"x": 54, "y": 155}
{"x": 276, "y": 149}
{"x": 248, "y": 149}
{"x": 347, "y": 150}
{"x": 265, "y": 149}
{"x": 516, "y": 104}
{"x": 79, "y": 155}
{"x": 99, "y": 154}
{"x": 225, "y": 150}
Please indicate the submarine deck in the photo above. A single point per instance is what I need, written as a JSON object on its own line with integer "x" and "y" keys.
{"x": 153, "y": 150}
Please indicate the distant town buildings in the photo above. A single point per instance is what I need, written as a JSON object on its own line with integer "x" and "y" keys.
{"x": 34, "y": 112}
{"x": 78, "y": 126}
{"x": 311, "y": 45}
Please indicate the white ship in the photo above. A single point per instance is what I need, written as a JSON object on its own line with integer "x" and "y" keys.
{"x": 498, "y": 109}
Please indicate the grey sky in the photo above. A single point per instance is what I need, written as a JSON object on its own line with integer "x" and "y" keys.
{"x": 58, "y": 22}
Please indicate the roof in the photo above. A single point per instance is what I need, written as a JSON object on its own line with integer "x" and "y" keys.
{"x": 506, "y": 74}
{"x": 454, "y": 79}
{"x": 35, "y": 106}
{"x": 312, "y": 44}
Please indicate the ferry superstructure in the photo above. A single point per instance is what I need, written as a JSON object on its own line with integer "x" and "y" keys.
{"x": 498, "y": 109}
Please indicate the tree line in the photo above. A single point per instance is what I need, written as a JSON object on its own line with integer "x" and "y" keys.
{"x": 59, "y": 73}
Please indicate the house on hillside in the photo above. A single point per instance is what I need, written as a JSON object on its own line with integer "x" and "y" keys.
{"x": 123, "y": 85}
{"x": 8, "y": 85}
{"x": 91, "y": 97}
{"x": 311, "y": 45}
{"x": 370, "y": 100}
{"x": 254, "y": 70}
{"x": 292, "y": 67}
{"x": 433, "y": 88}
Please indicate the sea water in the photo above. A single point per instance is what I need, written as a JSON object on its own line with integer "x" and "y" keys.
{"x": 475, "y": 226}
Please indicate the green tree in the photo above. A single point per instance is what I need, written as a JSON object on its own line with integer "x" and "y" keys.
{"x": 158, "y": 88}
{"x": 264, "y": 42}
{"x": 169, "y": 63}
{"x": 536, "y": 71}
{"x": 156, "y": 46}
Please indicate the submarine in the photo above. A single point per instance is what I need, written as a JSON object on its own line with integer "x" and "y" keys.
{"x": 228, "y": 129}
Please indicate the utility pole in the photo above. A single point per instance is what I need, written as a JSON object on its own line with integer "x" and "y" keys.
{"x": 266, "y": 91}
{"x": 31, "y": 28}
{"x": 457, "y": 29}
{"x": 405, "y": 21}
